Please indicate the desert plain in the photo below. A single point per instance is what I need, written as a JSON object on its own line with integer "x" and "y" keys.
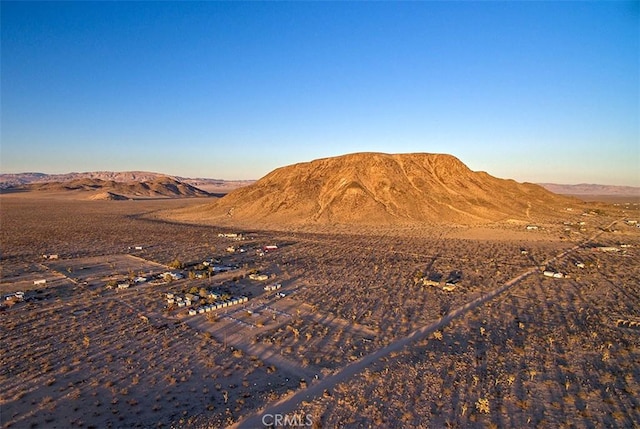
{"x": 499, "y": 324}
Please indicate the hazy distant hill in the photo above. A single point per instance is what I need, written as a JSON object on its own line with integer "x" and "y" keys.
{"x": 98, "y": 189}
{"x": 210, "y": 185}
{"x": 115, "y": 176}
{"x": 592, "y": 189}
{"x": 377, "y": 188}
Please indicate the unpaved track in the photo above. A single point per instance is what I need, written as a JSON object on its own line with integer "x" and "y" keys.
{"x": 289, "y": 404}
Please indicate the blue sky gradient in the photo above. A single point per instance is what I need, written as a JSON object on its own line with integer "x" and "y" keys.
{"x": 535, "y": 91}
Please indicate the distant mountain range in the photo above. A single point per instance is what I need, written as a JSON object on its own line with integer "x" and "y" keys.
{"x": 97, "y": 189}
{"x": 208, "y": 185}
{"x": 592, "y": 189}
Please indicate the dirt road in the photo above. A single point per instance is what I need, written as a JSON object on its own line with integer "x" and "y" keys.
{"x": 289, "y": 404}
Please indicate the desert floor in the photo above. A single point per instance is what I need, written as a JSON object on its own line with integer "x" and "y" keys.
{"x": 367, "y": 334}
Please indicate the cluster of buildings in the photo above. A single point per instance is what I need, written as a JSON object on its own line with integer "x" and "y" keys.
{"x": 272, "y": 287}
{"x": 219, "y": 268}
{"x": 126, "y": 284}
{"x": 550, "y": 272}
{"x": 197, "y": 304}
{"x": 218, "y": 305}
{"x": 183, "y": 301}
{"x": 233, "y": 236}
{"x": 449, "y": 285}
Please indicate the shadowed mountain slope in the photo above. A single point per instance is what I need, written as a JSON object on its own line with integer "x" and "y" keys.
{"x": 378, "y": 189}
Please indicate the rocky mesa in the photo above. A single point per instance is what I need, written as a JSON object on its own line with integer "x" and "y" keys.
{"x": 378, "y": 189}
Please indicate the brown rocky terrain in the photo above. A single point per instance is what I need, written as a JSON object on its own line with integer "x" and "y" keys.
{"x": 98, "y": 189}
{"x": 503, "y": 346}
{"x": 379, "y": 189}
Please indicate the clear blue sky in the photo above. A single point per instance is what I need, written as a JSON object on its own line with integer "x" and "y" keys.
{"x": 535, "y": 91}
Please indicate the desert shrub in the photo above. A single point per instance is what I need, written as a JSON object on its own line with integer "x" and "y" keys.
{"x": 176, "y": 264}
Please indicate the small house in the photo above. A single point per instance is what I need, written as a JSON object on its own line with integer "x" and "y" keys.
{"x": 553, "y": 274}
{"x": 608, "y": 249}
{"x": 192, "y": 312}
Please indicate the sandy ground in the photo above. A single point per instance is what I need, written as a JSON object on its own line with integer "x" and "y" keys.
{"x": 355, "y": 313}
